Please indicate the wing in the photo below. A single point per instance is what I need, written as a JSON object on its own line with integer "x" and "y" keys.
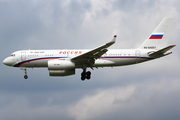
{"x": 89, "y": 57}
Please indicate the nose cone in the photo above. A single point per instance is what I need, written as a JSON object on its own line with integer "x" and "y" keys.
{"x": 7, "y": 62}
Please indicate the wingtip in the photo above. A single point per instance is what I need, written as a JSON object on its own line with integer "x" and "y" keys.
{"x": 114, "y": 39}
{"x": 172, "y": 45}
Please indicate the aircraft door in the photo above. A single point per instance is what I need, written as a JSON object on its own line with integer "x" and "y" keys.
{"x": 23, "y": 56}
{"x": 138, "y": 54}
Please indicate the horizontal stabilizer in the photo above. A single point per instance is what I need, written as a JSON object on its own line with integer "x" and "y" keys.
{"x": 162, "y": 51}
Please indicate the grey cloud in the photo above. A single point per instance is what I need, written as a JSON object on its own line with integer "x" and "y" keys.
{"x": 141, "y": 104}
{"x": 33, "y": 24}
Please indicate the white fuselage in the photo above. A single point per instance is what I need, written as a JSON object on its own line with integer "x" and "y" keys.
{"x": 39, "y": 58}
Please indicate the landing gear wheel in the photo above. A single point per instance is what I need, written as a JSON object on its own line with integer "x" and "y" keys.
{"x": 88, "y": 75}
{"x": 25, "y": 76}
{"x": 83, "y": 76}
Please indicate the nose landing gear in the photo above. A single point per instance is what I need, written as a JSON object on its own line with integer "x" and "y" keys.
{"x": 25, "y": 71}
{"x": 25, "y": 76}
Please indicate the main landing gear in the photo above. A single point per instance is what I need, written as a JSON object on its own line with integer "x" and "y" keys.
{"x": 25, "y": 71}
{"x": 85, "y": 75}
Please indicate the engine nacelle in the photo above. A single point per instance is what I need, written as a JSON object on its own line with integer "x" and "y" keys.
{"x": 60, "y": 65}
{"x": 61, "y": 72}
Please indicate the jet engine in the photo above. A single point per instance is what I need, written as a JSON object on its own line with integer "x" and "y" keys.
{"x": 61, "y": 68}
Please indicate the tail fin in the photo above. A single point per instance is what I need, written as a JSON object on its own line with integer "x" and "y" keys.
{"x": 160, "y": 36}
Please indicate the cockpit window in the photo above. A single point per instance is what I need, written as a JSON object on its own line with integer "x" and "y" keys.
{"x": 12, "y": 55}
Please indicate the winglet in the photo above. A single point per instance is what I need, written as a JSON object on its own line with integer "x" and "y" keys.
{"x": 114, "y": 39}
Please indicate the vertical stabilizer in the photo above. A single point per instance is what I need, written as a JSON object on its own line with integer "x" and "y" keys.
{"x": 160, "y": 36}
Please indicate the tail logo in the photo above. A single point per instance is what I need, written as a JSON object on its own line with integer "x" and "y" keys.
{"x": 156, "y": 36}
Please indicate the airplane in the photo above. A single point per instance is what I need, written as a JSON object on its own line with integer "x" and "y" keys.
{"x": 64, "y": 62}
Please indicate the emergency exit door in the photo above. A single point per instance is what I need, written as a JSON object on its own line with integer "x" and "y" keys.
{"x": 23, "y": 56}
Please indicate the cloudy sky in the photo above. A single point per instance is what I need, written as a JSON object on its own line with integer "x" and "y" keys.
{"x": 145, "y": 91}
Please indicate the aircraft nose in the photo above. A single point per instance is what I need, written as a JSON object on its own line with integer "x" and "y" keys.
{"x": 7, "y": 62}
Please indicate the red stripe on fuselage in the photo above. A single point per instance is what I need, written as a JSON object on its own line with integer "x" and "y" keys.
{"x": 19, "y": 64}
